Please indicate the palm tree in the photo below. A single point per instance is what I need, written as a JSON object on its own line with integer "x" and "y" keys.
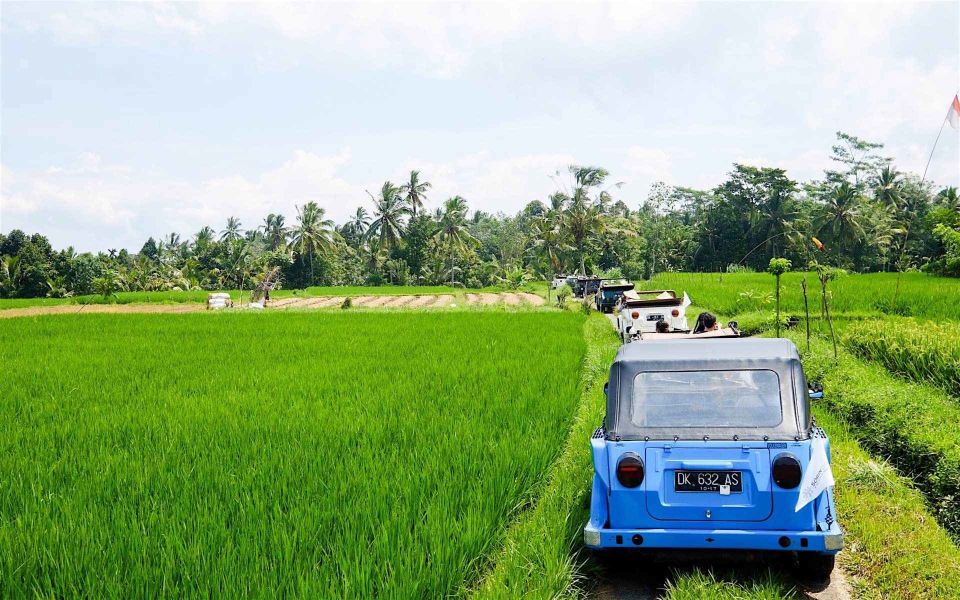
{"x": 360, "y": 221}
{"x": 841, "y": 216}
{"x": 547, "y": 240}
{"x": 204, "y": 237}
{"x": 274, "y": 231}
{"x": 172, "y": 243}
{"x": 313, "y": 232}
{"x": 558, "y": 203}
{"x": 582, "y": 222}
{"x": 453, "y": 232}
{"x": 948, "y": 199}
{"x": 389, "y": 211}
{"x": 887, "y": 186}
{"x": 232, "y": 231}
{"x": 415, "y": 192}
{"x": 775, "y": 220}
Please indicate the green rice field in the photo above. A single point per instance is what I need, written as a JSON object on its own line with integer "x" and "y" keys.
{"x": 357, "y": 454}
{"x": 311, "y": 455}
{"x": 871, "y": 294}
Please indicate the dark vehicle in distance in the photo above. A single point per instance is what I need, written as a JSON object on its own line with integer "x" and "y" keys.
{"x": 609, "y": 292}
{"x": 585, "y": 286}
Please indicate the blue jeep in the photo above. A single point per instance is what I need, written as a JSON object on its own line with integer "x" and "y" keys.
{"x": 704, "y": 445}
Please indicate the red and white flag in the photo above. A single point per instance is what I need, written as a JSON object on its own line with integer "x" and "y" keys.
{"x": 953, "y": 115}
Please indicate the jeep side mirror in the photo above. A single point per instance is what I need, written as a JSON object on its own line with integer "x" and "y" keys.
{"x": 606, "y": 387}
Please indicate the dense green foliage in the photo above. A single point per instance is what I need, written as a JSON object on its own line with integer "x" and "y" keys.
{"x": 235, "y": 455}
{"x": 923, "y": 351}
{"x": 869, "y": 216}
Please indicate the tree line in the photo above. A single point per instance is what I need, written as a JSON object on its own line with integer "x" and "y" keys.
{"x": 870, "y": 215}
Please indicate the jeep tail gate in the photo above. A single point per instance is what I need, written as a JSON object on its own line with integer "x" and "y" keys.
{"x": 704, "y": 445}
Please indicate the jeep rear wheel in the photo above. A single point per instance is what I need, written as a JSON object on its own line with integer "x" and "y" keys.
{"x": 815, "y": 566}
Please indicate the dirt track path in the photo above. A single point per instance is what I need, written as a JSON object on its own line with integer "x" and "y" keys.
{"x": 632, "y": 577}
{"x": 72, "y": 309}
{"x": 291, "y": 303}
{"x": 628, "y": 577}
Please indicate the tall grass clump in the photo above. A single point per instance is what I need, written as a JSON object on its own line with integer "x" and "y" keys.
{"x": 927, "y": 352}
{"x": 334, "y": 455}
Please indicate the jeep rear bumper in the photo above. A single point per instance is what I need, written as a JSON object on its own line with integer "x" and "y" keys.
{"x": 829, "y": 542}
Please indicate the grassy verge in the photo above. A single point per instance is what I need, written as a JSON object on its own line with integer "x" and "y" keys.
{"x": 538, "y": 557}
{"x": 894, "y": 547}
{"x": 926, "y": 352}
{"x": 914, "y": 425}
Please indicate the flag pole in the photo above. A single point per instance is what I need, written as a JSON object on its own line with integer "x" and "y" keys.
{"x": 936, "y": 141}
{"x": 932, "y": 150}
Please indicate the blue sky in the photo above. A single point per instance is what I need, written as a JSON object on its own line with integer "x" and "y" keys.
{"x": 121, "y": 121}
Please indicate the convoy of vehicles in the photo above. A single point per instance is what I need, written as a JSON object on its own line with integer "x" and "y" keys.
{"x": 707, "y": 444}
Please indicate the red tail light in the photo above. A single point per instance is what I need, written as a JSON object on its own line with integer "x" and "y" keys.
{"x": 675, "y": 312}
{"x": 630, "y": 470}
{"x": 786, "y": 471}
{"x": 634, "y": 315}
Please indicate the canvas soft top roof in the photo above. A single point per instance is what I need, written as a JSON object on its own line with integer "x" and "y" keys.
{"x": 616, "y": 284}
{"x": 707, "y": 351}
{"x": 711, "y": 354}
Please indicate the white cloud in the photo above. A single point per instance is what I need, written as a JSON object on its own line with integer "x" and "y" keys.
{"x": 437, "y": 39}
{"x": 489, "y": 183}
{"x": 91, "y": 204}
{"x": 645, "y": 166}
{"x": 875, "y": 90}
{"x": 89, "y": 23}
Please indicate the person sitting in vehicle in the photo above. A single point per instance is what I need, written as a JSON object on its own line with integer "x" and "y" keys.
{"x": 663, "y": 326}
{"x": 706, "y": 322}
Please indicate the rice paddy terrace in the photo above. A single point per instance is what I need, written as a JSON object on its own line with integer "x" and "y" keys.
{"x": 421, "y": 453}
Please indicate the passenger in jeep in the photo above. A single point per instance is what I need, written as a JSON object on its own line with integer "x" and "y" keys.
{"x": 705, "y": 322}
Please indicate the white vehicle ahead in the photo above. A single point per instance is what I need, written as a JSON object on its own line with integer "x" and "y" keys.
{"x": 639, "y": 312}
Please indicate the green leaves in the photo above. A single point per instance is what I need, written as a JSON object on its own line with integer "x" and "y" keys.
{"x": 778, "y": 266}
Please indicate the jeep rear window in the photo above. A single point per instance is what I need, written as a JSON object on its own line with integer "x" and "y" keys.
{"x": 743, "y": 398}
